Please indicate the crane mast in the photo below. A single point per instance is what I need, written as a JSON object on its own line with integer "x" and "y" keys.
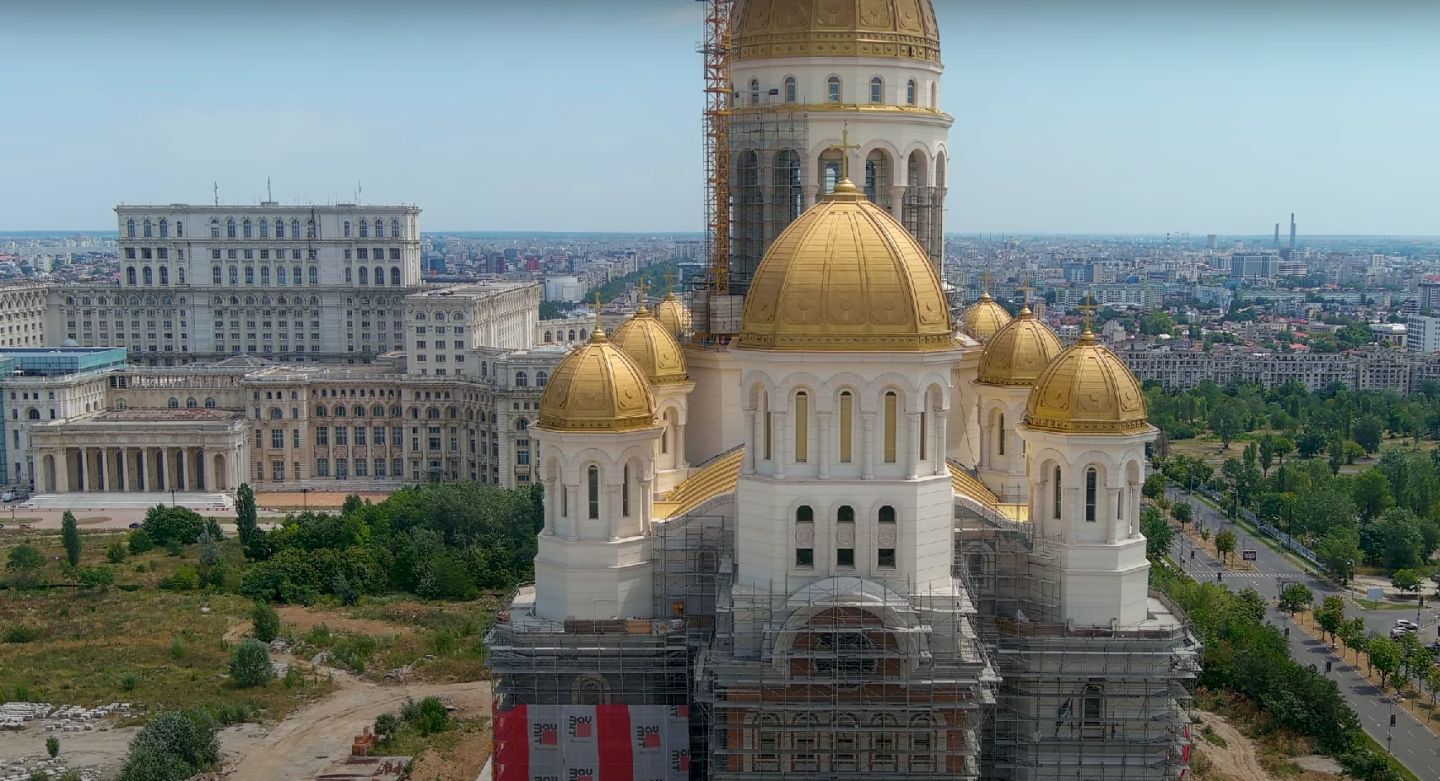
{"x": 715, "y": 49}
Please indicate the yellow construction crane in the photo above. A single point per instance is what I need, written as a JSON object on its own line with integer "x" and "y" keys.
{"x": 716, "y": 50}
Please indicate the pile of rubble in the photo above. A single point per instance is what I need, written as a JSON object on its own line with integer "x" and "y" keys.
{"x": 65, "y": 718}
{"x": 24, "y": 769}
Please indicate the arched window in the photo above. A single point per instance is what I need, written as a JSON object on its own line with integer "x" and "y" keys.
{"x": 804, "y": 536}
{"x": 340, "y": 411}
{"x": 379, "y": 229}
{"x": 754, "y": 92}
{"x": 1000, "y": 435}
{"x": 264, "y": 275}
{"x": 832, "y": 89}
{"x": 247, "y": 229}
{"x": 230, "y": 228}
{"x": 934, "y": 95}
{"x": 294, "y": 229}
{"x": 364, "y": 275}
{"x": 625, "y": 492}
{"x": 130, "y": 275}
{"x": 892, "y": 404}
{"x": 791, "y": 93}
{"x": 320, "y": 411}
{"x": 130, "y": 228}
{"x": 209, "y": 403}
{"x": 173, "y": 403}
{"x": 522, "y": 380}
{"x": 1055, "y": 489}
{"x": 179, "y": 229}
{"x": 910, "y": 92}
{"x": 541, "y": 378}
{"x": 147, "y": 275}
{"x": 395, "y": 229}
{"x": 264, "y": 227}
{"x": 234, "y": 275}
{"x": 395, "y": 276}
{"x": 887, "y": 538}
{"x": 592, "y": 490}
{"x": 1091, "y": 478}
{"x": 845, "y": 536}
{"x": 147, "y": 228}
{"x": 364, "y": 229}
{"x": 314, "y": 275}
{"x": 379, "y": 275}
{"x": 310, "y": 227}
{"x": 847, "y": 427}
{"x": 1092, "y": 707}
{"x": 164, "y": 275}
{"x": 281, "y": 277}
{"x": 877, "y": 90}
{"x": 191, "y": 403}
{"x": 346, "y": 229}
{"x": 249, "y": 275}
{"x": 214, "y": 228}
{"x": 769, "y": 426}
{"x": 802, "y": 427}
{"x": 164, "y": 228}
{"x": 279, "y": 229}
{"x": 215, "y": 275}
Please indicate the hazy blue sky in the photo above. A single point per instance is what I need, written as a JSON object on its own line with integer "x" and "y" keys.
{"x": 1184, "y": 115}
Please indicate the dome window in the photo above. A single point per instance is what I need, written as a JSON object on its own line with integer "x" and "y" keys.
{"x": 877, "y": 90}
{"x": 910, "y": 92}
{"x": 791, "y": 91}
{"x": 832, "y": 89}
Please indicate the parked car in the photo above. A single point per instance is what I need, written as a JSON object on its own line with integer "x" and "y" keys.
{"x": 136, "y": 524}
{"x": 26, "y": 527}
{"x": 8, "y": 496}
{"x": 1407, "y": 625}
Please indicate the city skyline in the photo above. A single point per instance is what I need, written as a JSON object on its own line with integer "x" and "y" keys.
{"x": 1117, "y": 119}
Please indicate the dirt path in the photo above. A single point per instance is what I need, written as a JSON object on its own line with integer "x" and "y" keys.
{"x": 303, "y": 744}
{"x": 1236, "y": 760}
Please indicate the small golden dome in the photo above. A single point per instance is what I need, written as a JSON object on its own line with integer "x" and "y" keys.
{"x": 597, "y": 387}
{"x": 903, "y": 29}
{"x": 1087, "y": 390}
{"x": 984, "y": 318}
{"x": 650, "y": 345}
{"x": 1019, "y": 353}
{"x": 673, "y": 314}
{"x": 846, "y": 276}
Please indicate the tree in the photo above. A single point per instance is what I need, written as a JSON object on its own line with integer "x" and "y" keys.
{"x": 70, "y": 536}
{"x": 1385, "y": 656}
{"x": 1336, "y": 453}
{"x": 139, "y": 542}
{"x": 1158, "y": 534}
{"x": 174, "y": 746}
{"x": 1372, "y": 494}
{"x": 1183, "y": 514}
{"x": 1309, "y": 443}
{"x": 115, "y": 553}
{"x": 1398, "y": 540}
{"x": 1407, "y": 580}
{"x": 1295, "y": 597}
{"x": 247, "y": 526}
{"x": 1354, "y": 635}
{"x": 1331, "y": 615}
{"x": 264, "y": 622}
{"x": 24, "y": 563}
{"x": 166, "y": 524}
{"x": 1225, "y": 422}
{"x": 250, "y": 665}
{"x": 1339, "y": 550}
{"x": 1367, "y": 433}
{"x": 1154, "y": 486}
{"x": 212, "y": 568}
{"x": 1225, "y": 544}
{"x": 1267, "y": 454}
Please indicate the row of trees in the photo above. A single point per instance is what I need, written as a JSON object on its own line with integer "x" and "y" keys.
{"x": 1399, "y": 660}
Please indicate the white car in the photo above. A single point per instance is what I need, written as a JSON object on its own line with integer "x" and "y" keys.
{"x": 8, "y": 496}
{"x": 1406, "y": 625}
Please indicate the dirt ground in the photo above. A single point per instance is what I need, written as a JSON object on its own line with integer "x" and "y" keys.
{"x": 1239, "y": 759}
{"x": 312, "y": 737}
{"x": 102, "y": 749}
{"x": 302, "y": 619}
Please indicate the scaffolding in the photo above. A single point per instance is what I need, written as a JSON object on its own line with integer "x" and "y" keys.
{"x": 768, "y": 144}
{"x": 715, "y": 50}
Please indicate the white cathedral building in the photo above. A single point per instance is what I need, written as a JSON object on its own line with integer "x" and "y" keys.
{"x": 858, "y": 539}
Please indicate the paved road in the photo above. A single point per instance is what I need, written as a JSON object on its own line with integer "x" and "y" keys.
{"x": 1411, "y": 743}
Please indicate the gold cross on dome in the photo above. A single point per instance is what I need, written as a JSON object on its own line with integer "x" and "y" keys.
{"x": 845, "y": 147}
{"x": 595, "y": 306}
{"x": 984, "y": 282}
{"x": 1087, "y": 308}
{"x": 1025, "y": 289}
{"x": 669, "y": 280}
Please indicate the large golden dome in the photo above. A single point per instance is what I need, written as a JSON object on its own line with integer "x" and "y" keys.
{"x": 650, "y": 345}
{"x": 903, "y": 29}
{"x": 1019, "y": 353}
{"x": 673, "y": 314}
{"x": 984, "y": 318}
{"x": 597, "y": 387}
{"x": 1087, "y": 390}
{"x": 846, "y": 276}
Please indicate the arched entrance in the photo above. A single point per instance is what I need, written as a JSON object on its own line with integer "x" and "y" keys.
{"x": 220, "y": 483}
{"x": 47, "y": 474}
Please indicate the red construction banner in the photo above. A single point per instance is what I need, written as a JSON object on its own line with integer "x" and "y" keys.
{"x": 592, "y": 743}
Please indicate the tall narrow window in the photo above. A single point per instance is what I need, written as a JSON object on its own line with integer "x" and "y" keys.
{"x": 625, "y": 492}
{"x": 564, "y": 501}
{"x": 892, "y": 402}
{"x": 1055, "y": 488}
{"x": 164, "y": 228}
{"x": 130, "y": 228}
{"x": 147, "y": 229}
{"x": 1090, "y": 480}
{"x": 804, "y": 536}
{"x": 886, "y": 538}
{"x": 877, "y": 90}
{"x": 230, "y": 228}
{"x": 924, "y": 433}
{"x": 910, "y": 92}
{"x": 790, "y": 92}
{"x": 1000, "y": 436}
{"x": 802, "y": 427}
{"x": 847, "y": 417}
{"x": 845, "y": 536}
{"x": 592, "y": 479}
{"x": 754, "y": 92}
{"x": 832, "y": 89}
{"x": 769, "y": 427}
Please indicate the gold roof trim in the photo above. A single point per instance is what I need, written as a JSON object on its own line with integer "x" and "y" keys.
{"x": 902, "y": 29}
{"x": 714, "y": 478}
{"x": 965, "y": 484}
{"x": 1087, "y": 390}
{"x": 846, "y": 277}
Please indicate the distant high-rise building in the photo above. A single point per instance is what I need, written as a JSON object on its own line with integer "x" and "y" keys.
{"x": 1254, "y": 265}
{"x": 1292, "y": 231}
{"x": 1277, "y": 235}
{"x": 1210, "y": 240}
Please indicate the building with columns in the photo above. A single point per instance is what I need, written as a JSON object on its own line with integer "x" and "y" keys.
{"x": 897, "y": 545}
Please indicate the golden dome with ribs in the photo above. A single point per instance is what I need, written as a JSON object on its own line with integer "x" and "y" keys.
{"x": 597, "y": 387}
{"x": 900, "y": 29}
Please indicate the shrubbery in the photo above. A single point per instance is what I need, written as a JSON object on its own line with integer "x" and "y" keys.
{"x": 166, "y": 524}
{"x": 172, "y": 747}
{"x": 250, "y": 665}
{"x": 265, "y": 622}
